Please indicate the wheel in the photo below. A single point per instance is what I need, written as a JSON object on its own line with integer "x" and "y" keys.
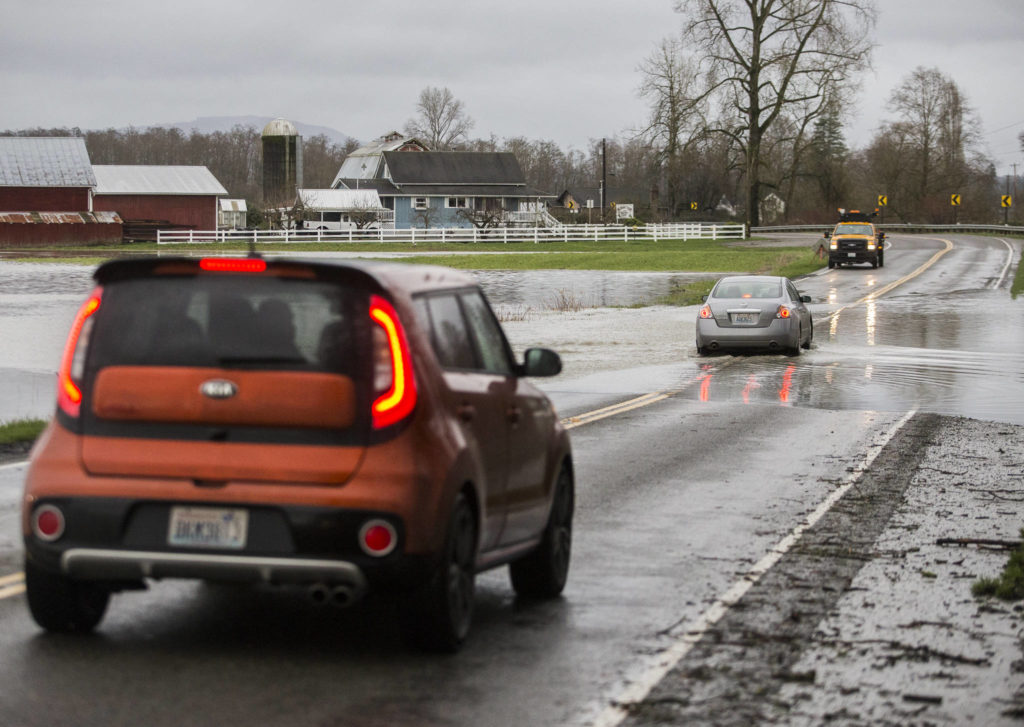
{"x": 543, "y": 573}
{"x": 881, "y": 260}
{"x": 437, "y": 616}
{"x": 810, "y": 337}
{"x": 702, "y": 350}
{"x": 795, "y": 350}
{"x": 831, "y": 263}
{"x": 60, "y": 604}
{"x": 874, "y": 263}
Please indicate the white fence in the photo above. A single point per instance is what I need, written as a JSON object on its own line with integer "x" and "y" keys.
{"x": 564, "y": 233}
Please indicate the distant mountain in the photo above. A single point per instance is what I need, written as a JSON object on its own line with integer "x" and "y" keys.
{"x": 209, "y": 124}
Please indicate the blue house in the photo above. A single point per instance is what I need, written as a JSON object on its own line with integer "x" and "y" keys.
{"x": 453, "y": 189}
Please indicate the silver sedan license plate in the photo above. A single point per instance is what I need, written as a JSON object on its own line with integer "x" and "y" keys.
{"x": 744, "y": 319}
{"x": 208, "y": 527}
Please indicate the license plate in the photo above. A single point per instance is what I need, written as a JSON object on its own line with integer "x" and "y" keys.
{"x": 208, "y": 527}
{"x": 742, "y": 319}
{"x": 851, "y": 254}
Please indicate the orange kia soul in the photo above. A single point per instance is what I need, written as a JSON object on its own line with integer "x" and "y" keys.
{"x": 342, "y": 427}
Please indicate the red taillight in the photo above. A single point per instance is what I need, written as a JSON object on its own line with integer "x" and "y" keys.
{"x": 705, "y": 311}
{"x": 48, "y": 523}
{"x": 783, "y": 312}
{"x": 72, "y": 364}
{"x": 233, "y": 265}
{"x": 393, "y": 372}
{"x": 378, "y": 538}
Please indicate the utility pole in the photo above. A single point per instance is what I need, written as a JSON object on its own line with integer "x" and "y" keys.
{"x": 604, "y": 177}
{"x": 1014, "y": 181}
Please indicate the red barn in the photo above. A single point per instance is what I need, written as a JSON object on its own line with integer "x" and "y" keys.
{"x": 45, "y": 194}
{"x": 45, "y": 174}
{"x": 167, "y": 195}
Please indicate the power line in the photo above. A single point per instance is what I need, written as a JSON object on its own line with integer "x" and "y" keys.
{"x": 1004, "y": 128}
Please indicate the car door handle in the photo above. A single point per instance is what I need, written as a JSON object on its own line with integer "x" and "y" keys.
{"x": 466, "y": 412}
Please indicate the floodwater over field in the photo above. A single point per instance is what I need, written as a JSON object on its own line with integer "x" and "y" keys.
{"x": 959, "y": 353}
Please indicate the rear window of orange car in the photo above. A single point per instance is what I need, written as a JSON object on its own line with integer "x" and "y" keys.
{"x": 229, "y": 321}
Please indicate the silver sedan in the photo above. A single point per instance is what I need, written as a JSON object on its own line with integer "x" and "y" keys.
{"x": 752, "y": 312}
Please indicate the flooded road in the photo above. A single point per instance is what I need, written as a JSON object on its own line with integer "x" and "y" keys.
{"x": 949, "y": 340}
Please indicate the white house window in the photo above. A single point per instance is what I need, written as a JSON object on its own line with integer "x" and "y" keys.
{"x": 420, "y": 203}
{"x": 459, "y": 203}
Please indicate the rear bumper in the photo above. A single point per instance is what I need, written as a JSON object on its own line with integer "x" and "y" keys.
{"x": 129, "y": 565}
{"x": 780, "y": 334}
{"x": 125, "y": 541}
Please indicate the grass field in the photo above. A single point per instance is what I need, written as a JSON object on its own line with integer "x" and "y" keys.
{"x": 22, "y": 430}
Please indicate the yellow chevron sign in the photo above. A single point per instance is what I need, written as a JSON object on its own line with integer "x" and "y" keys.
{"x": 954, "y": 199}
{"x": 1007, "y": 200}
{"x": 883, "y": 200}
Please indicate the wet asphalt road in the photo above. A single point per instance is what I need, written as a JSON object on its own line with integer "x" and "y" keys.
{"x": 676, "y": 500}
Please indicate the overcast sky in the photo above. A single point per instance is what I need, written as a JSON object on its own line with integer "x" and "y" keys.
{"x": 564, "y": 71}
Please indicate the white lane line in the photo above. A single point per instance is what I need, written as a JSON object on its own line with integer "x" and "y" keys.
{"x": 1006, "y": 268}
{"x": 689, "y": 634}
{"x": 12, "y": 465}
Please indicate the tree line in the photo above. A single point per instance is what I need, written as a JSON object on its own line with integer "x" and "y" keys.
{"x": 747, "y": 108}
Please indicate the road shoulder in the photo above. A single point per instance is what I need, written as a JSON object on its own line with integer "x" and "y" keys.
{"x": 869, "y": 619}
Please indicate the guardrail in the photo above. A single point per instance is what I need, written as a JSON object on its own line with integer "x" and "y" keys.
{"x": 564, "y": 233}
{"x": 907, "y": 227}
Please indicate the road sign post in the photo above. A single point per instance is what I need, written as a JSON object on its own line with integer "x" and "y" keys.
{"x": 883, "y": 202}
{"x": 1007, "y": 202}
{"x": 954, "y": 199}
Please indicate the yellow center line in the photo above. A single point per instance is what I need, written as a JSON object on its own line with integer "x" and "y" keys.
{"x": 13, "y": 578}
{"x": 10, "y": 591}
{"x": 640, "y": 401}
{"x": 900, "y": 281}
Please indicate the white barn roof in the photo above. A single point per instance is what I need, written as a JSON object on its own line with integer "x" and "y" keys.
{"x": 143, "y": 179}
{"x": 45, "y": 161}
{"x": 232, "y": 205}
{"x": 340, "y": 199}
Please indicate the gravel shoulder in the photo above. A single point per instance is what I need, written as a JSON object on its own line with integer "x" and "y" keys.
{"x": 870, "y": 619}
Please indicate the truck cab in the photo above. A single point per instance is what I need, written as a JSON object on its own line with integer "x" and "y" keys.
{"x": 855, "y": 239}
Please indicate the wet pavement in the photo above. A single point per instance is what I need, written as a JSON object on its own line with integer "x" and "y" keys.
{"x": 871, "y": 629}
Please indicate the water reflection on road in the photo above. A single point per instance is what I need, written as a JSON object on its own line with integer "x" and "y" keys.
{"x": 957, "y": 354}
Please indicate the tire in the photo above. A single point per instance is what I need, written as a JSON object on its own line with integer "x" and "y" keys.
{"x": 543, "y": 573}
{"x": 810, "y": 337}
{"x": 874, "y": 263}
{"x": 831, "y": 263}
{"x": 62, "y": 605}
{"x": 795, "y": 350}
{"x": 437, "y": 616}
{"x": 702, "y": 350}
{"x": 881, "y": 260}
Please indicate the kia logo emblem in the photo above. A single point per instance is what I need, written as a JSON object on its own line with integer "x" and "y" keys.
{"x": 218, "y": 389}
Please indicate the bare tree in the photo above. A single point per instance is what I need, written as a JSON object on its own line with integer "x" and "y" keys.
{"x": 426, "y": 216}
{"x": 442, "y": 121}
{"x": 364, "y": 213}
{"x": 669, "y": 84}
{"x": 761, "y": 57}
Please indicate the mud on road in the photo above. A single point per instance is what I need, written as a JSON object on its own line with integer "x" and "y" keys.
{"x": 869, "y": 619}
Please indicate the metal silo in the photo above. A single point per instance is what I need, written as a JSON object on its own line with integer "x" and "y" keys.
{"x": 282, "y": 162}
